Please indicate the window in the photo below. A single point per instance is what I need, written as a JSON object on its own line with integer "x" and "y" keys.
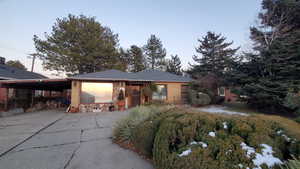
{"x": 221, "y": 91}
{"x": 161, "y": 93}
{"x": 96, "y": 92}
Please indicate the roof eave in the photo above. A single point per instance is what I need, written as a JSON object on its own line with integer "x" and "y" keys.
{"x": 109, "y": 79}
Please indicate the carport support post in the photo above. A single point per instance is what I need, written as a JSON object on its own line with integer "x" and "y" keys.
{"x": 6, "y": 99}
{"x": 32, "y": 97}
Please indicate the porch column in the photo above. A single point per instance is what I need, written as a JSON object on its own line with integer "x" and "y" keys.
{"x": 75, "y": 94}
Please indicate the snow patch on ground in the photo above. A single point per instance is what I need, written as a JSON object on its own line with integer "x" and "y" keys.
{"x": 185, "y": 153}
{"x": 212, "y": 134}
{"x": 266, "y": 157}
{"x": 221, "y": 110}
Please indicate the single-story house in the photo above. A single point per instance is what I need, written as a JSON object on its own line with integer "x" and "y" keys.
{"x": 99, "y": 91}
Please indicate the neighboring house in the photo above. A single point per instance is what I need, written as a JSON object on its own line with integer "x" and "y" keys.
{"x": 227, "y": 94}
{"x": 99, "y": 91}
{"x": 12, "y": 73}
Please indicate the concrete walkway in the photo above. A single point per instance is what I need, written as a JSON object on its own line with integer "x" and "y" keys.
{"x": 64, "y": 141}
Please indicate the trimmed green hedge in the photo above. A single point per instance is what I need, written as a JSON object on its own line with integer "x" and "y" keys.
{"x": 222, "y": 151}
{"x": 144, "y": 133}
{"x": 176, "y": 138}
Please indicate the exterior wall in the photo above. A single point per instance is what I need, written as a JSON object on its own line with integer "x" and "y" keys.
{"x": 75, "y": 94}
{"x": 173, "y": 92}
{"x": 173, "y": 96}
{"x": 3, "y": 94}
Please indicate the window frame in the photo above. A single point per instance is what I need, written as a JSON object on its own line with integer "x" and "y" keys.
{"x": 161, "y": 96}
{"x": 219, "y": 91}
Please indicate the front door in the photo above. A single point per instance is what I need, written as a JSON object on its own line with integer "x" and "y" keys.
{"x": 136, "y": 97}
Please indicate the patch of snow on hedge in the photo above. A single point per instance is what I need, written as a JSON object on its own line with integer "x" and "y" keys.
{"x": 225, "y": 126}
{"x": 266, "y": 157}
{"x": 280, "y": 132}
{"x": 212, "y": 134}
{"x": 193, "y": 143}
{"x": 221, "y": 110}
{"x": 204, "y": 145}
{"x": 249, "y": 150}
{"x": 185, "y": 153}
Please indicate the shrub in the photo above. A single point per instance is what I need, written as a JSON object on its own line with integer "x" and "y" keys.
{"x": 297, "y": 119}
{"x": 292, "y": 101}
{"x": 218, "y": 99}
{"x": 123, "y": 131}
{"x": 292, "y": 164}
{"x": 144, "y": 133}
{"x": 198, "y": 99}
{"x": 124, "y": 127}
{"x": 156, "y": 103}
{"x": 206, "y": 141}
{"x": 149, "y": 89}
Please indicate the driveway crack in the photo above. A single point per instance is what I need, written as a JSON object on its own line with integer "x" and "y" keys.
{"x": 48, "y": 146}
{"x": 23, "y": 141}
{"x": 75, "y": 151}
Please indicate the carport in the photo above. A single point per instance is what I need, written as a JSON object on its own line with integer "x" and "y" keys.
{"x": 49, "y": 89}
{"x": 37, "y": 84}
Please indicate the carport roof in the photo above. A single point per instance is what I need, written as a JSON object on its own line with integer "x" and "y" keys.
{"x": 37, "y": 84}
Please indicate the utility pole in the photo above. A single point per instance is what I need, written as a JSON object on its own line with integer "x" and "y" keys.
{"x": 33, "y": 55}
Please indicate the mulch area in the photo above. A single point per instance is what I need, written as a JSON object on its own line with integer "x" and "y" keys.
{"x": 130, "y": 146}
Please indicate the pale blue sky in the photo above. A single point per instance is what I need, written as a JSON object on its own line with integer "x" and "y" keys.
{"x": 177, "y": 23}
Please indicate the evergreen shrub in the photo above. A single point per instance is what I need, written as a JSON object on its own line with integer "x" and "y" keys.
{"x": 214, "y": 141}
{"x": 198, "y": 98}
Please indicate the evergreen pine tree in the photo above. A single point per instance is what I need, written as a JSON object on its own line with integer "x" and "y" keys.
{"x": 215, "y": 56}
{"x": 174, "y": 65}
{"x": 137, "y": 59}
{"x": 78, "y": 44}
{"x": 272, "y": 71}
{"x": 155, "y": 53}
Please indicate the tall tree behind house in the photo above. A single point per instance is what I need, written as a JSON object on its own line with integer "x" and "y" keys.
{"x": 174, "y": 65}
{"x": 16, "y": 64}
{"x": 155, "y": 53}
{"x": 78, "y": 44}
{"x": 214, "y": 55}
{"x": 272, "y": 72}
{"x": 137, "y": 59}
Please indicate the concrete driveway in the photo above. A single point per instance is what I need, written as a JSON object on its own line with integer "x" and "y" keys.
{"x": 54, "y": 140}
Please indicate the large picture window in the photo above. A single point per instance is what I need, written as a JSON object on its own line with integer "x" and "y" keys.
{"x": 161, "y": 93}
{"x": 96, "y": 92}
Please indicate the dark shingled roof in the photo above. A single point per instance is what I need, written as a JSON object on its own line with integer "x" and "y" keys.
{"x": 161, "y": 76}
{"x": 146, "y": 75}
{"x": 8, "y": 72}
{"x": 112, "y": 74}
